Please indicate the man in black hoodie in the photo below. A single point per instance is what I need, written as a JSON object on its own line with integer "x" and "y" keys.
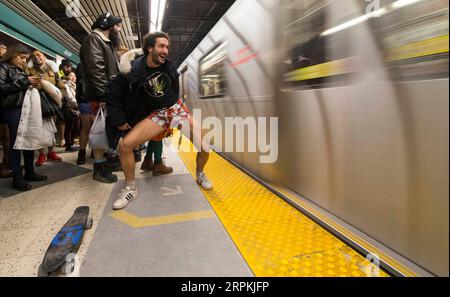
{"x": 144, "y": 100}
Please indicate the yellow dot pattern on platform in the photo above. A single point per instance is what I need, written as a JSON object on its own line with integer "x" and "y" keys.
{"x": 275, "y": 239}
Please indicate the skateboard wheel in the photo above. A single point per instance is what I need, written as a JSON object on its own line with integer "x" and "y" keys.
{"x": 89, "y": 223}
{"x": 42, "y": 272}
{"x": 68, "y": 267}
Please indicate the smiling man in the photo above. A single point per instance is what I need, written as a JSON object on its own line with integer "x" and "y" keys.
{"x": 145, "y": 99}
{"x": 3, "y": 49}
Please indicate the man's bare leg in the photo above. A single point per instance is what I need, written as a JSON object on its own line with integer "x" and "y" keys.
{"x": 86, "y": 124}
{"x": 202, "y": 155}
{"x": 144, "y": 131}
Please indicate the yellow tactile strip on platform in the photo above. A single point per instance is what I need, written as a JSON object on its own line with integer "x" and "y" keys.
{"x": 274, "y": 238}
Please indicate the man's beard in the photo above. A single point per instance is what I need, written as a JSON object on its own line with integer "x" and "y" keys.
{"x": 114, "y": 37}
{"x": 155, "y": 58}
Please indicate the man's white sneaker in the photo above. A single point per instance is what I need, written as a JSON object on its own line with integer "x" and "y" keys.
{"x": 203, "y": 181}
{"x": 125, "y": 197}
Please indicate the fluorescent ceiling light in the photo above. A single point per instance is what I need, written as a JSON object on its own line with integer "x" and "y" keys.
{"x": 377, "y": 13}
{"x": 157, "y": 12}
{"x": 403, "y": 3}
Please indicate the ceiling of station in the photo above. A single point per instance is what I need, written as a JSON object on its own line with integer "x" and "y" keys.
{"x": 132, "y": 12}
{"x": 186, "y": 21}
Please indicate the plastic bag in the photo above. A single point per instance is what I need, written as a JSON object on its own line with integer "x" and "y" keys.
{"x": 98, "y": 138}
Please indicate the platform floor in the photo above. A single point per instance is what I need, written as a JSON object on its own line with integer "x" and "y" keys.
{"x": 173, "y": 228}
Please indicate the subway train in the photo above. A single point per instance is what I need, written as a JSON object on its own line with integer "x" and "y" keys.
{"x": 359, "y": 89}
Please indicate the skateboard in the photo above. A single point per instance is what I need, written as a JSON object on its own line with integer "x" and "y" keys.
{"x": 57, "y": 259}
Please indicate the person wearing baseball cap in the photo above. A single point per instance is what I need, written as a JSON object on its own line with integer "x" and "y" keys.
{"x": 99, "y": 64}
{"x": 65, "y": 68}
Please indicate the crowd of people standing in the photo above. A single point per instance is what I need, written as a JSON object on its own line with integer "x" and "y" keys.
{"x": 43, "y": 104}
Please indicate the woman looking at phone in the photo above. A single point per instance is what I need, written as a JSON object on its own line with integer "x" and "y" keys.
{"x": 14, "y": 84}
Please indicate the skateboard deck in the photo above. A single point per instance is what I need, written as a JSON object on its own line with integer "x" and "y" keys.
{"x": 66, "y": 242}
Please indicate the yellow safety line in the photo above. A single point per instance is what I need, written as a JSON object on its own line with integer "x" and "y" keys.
{"x": 353, "y": 237}
{"x": 138, "y": 222}
{"x": 273, "y": 237}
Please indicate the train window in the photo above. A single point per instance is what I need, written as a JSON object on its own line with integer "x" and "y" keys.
{"x": 183, "y": 83}
{"x": 314, "y": 60}
{"x": 415, "y": 39}
{"x": 212, "y": 73}
{"x": 412, "y": 35}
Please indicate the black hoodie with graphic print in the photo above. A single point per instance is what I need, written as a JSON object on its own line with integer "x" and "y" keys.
{"x": 139, "y": 90}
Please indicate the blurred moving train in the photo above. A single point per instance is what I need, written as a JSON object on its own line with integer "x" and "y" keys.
{"x": 361, "y": 92}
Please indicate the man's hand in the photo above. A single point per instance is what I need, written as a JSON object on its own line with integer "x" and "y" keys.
{"x": 124, "y": 127}
{"x": 35, "y": 81}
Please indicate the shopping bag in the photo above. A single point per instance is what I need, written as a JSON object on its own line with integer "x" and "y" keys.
{"x": 98, "y": 138}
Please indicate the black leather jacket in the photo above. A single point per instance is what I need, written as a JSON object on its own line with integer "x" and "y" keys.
{"x": 100, "y": 63}
{"x": 13, "y": 86}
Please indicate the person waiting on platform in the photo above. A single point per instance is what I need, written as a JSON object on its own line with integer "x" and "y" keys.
{"x": 40, "y": 65}
{"x": 144, "y": 100}
{"x": 3, "y": 49}
{"x": 71, "y": 111}
{"x": 14, "y": 83}
{"x": 70, "y": 107}
{"x": 155, "y": 165}
{"x": 99, "y": 64}
{"x": 4, "y": 133}
{"x": 65, "y": 68}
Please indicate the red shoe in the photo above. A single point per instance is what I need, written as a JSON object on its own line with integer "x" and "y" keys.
{"x": 53, "y": 157}
{"x": 41, "y": 160}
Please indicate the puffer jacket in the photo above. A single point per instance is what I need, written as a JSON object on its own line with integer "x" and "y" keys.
{"x": 100, "y": 64}
{"x": 13, "y": 86}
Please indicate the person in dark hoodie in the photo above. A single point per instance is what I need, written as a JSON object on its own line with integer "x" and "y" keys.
{"x": 144, "y": 100}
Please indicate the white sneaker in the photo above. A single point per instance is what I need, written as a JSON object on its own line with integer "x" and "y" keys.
{"x": 125, "y": 197}
{"x": 204, "y": 182}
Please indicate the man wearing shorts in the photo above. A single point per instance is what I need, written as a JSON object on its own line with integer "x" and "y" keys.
{"x": 99, "y": 64}
{"x": 144, "y": 100}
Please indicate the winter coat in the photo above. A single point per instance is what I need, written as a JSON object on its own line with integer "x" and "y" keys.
{"x": 99, "y": 64}
{"x": 53, "y": 92}
{"x": 70, "y": 90}
{"x": 69, "y": 95}
{"x": 13, "y": 86}
{"x": 34, "y": 132}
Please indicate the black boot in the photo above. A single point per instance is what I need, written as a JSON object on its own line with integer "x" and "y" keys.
{"x": 34, "y": 177}
{"x": 81, "y": 157}
{"x": 103, "y": 173}
{"x": 20, "y": 184}
{"x": 114, "y": 163}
